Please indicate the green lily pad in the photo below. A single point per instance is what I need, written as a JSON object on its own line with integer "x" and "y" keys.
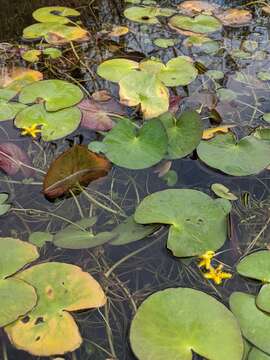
{"x": 144, "y": 89}
{"x": 54, "y": 14}
{"x": 115, "y": 69}
{"x": 53, "y": 125}
{"x": 129, "y": 231}
{"x": 16, "y": 296}
{"x": 256, "y": 354}
{"x": 39, "y": 238}
{"x": 147, "y": 15}
{"x": 165, "y": 43}
{"x": 197, "y": 222}
{"x": 78, "y": 237}
{"x": 178, "y": 71}
{"x": 52, "y": 53}
{"x": 238, "y": 158}
{"x": 7, "y": 94}
{"x": 184, "y": 133}
{"x": 263, "y": 298}
{"x": 75, "y": 167}
{"x": 254, "y": 323}
{"x": 200, "y": 24}
{"x": 57, "y": 94}
{"x": 256, "y": 266}
{"x": 8, "y": 110}
{"x": 49, "y": 329}
{"x": 223, "y": 192}
{"x": 4, "y": 206}
{"x": 145, "y": 146}
{"x": 31, "y": 55}
{"x": 174, "y": 323}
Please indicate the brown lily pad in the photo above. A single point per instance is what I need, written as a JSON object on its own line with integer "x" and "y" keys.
{"x": 76, "y": 166}
{"x": 235, "y": 17}
{"x": 193, "y": 7}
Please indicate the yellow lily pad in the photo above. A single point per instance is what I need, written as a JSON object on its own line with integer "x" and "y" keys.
{"x": 54, "y": 14}
{"x": 211, "y": 132}
{"x": 18, "y": 77}
{"x": 49, "y": 329}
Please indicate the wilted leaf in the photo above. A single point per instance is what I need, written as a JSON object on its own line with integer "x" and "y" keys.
{"x": 16, "y": 78}
{"x": 75, "y": 166}
{"x": 31, "y": 55}
{"x": 118, "y": 31}
{"x": 211, "y": 132}
{"x": 194, "y": 7}
{"x": 13, "y": 159}
{"x": 235, "y": 17}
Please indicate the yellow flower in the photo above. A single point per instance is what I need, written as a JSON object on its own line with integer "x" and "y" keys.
{"x": 217, "y": 275}
{"x": 31, "y": 130}
{"x": 206, "y": 259}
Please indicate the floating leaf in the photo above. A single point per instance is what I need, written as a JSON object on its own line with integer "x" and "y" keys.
{"x": 184, "y": 133}
{"x": 144, "y": 89}
{"x": 7, "y": 94}
{"x": 223, "y": 192}
{"x": 4, "y": 206}
{"x": 97, "y": 115}
{"x": 54, "y": 14}
{"x": 199, "y": 24}
{"x": 193, "y": 7}
{"x": 256, "y": 266}
{"x": 174, "y": 323}
{"x": 118, "y": 31}
{"x": 165, "y": 43}
{"x": 254, "y": 323}
{"x": 16, "y": 78}
{"x": 238, "y": 158}
{"x": 53, "y": 125}
{"x": 16, "y": 296}
{"x": 57, "y": 94}
{"x": 31, "y": 55}
{"x": 13, "y": 159}
{"x": 8, "y": 110}
{"x": 235, "y": 17}
{"x": 256, "y": 354}
{"x": 39, "y": 238}
{"x": 211, "y": 132}
{"x": 49, "y": 329}
{"x": 52, "y": 53}
{"x": 129, "y": 231}
{"x": 145, "y": 146}
{"x": 146, "y": 15}
{"x": 197, "y": 222}
{"x": 115, "y": 69}
{"x": 75, "y": 166}
{"x": 78, "y": 237}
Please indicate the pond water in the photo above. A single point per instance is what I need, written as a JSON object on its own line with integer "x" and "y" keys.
{"x": 131, "y": 272}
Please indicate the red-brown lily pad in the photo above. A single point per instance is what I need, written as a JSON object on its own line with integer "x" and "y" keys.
{"x": 76, "y": 166}
{"x": 13, "y": 159}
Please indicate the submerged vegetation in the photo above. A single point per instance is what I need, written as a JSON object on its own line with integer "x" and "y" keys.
{"x": 135, "y": 173}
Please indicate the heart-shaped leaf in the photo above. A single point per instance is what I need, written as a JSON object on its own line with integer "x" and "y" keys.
{"x": 53, "y": 125}
{"x": 238, "y": 158}
{"x": 144, "y": 89}
{"x": 147, "y": 14}
{"x": 184, "y": 133}
{"x": 54, "y": 14}
{"x": 115, "y": 69}
{"x": 49, "y": 329}
{"x": 254, "y": 323}
{"x": 13, "y": 159}
{"x": 57, "y": 94}
{"x": 197, "y": 222}
{"x": 8, "y": 110}
{"x": 256, "y": 266}
{"x": 199, "y": 24}
{"x": 223, "y": 192}
{"x": 174, "y": 323}
{"x": 145, "y": 146}
{"x": 31, "y": 55}
{"x": 16, "y": 296}
{"x": 75, "y": 166}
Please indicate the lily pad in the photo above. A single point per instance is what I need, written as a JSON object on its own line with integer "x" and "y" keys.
{"x": 115, "y": 69}
{"x": 197, "y": 222}
{"x": 78, "y": 237}
{"x": 57, "y": 94}
{"x": 145, "y": 146}
{"x": 238, "y": 158}
{"x": 254, "y": 323}
{"x": 147, "y": 15}
{"x": 49, "y": 329}
{"x": 144, "y": 89}
{"x": 31, "y": 55}
{"x": 53, "y": 125}
{"x": 199, "y": 24}
{"x": 75, "y": 166}
{"x": 178, "y": 71}
{"x": 263, "y": 298}
{"x": 8, "y": 110}
{"x": 54, "y": 14}
{"x": 235, "y": 17}
{"x": 184, "y": 133}
{"x": 256, "y": 266}
{"x": 17, "y": 297}
{"x": 39, "y": 238}
{"x": 174, "y": 323}
{"x": 223, "y": 192}
{"x": 193, "y": 7}
{"x": 256, "y": 354}
{"x": 52, "y": 53}
{"x": 16, "y": 78}
{"x": 165, "y": 43}
{"x": 129, "y": 231}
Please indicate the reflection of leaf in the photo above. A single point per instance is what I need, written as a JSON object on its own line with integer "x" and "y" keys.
{"x": 75, "y": 166}
{"x": 96, "y": 115}
{"x": 49, "y": 329}
{"x": 174, "y": 323}
{"x": 13, "y": 159}
{"x": 16, "y": 296}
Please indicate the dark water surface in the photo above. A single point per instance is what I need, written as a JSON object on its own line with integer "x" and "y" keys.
{"x": 153, "y": 267}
